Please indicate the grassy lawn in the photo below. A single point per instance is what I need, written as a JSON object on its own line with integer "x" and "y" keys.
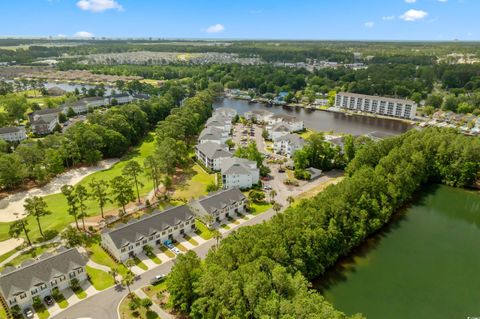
{"x": 99, "y": 279}
{"x": 8, "y": 254}
{"x": 81, "y": 294}
{"x": 42, "y": 312}
{"x": 203, "y": 230}
{"x": 258, "y": 208}
{"x": 99, "y": 256}
{"x": 306, "y": 134}
{"x": 154, "y": 258}
{"x": 3, "y": 312}
{"x": 152, "y": 291}
{"x": 28, "y": 255}
{"x": 140, "y": 312}
{"x": 57, "y": 203}
{"x": 315, "y": 190}
{"x": 61, "y": 301}
{"x": 180, "y": 246}
{"x": 225, "y": 226}
{"x": 167, "y": 252}
{"x": 195, "y": 184}
{"x": 235, "y": 221}
{"x": 140, "y": 263}
{"x": 191, "y": 240}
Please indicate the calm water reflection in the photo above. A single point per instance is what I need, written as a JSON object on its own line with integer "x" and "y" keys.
{"x": 324, "y": 121}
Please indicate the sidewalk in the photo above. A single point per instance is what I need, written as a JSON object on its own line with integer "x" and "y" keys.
{"x": 156, "y": 308}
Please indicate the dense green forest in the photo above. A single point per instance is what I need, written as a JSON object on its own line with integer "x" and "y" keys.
{"x": 263, "y": 271}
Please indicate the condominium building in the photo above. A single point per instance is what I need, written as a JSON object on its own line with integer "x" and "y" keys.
{"x": 213, "y": 134}
{"x": 288, "y": 144}
{"x": 13, "y": 133}
{"x": 385, "y": 106}
{"x": 212, "y": 154}
{"x": 128, "y": 240}
{"x": 239, "y": 173}
{"x": 37, "y": 278}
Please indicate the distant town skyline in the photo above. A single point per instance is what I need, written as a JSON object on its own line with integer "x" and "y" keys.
{"x": 434, "y": 20}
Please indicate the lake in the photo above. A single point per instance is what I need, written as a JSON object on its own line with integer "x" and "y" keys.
{"x": 425, "y": 264}
{"x": 322, "y": 120}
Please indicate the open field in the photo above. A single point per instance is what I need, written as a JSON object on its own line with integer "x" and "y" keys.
{"x": 57, "y": 203}
{"x": 194, "y": 183}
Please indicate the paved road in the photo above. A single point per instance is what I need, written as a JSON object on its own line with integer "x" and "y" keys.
{"x": 104, "y": 304}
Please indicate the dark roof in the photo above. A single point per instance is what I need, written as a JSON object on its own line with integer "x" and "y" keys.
{"x": 43, "y": 270}
{"x": 213, "y": 150}
{"x": 93, "y": 98}
{"x": 47, "y": 111}
{"x": 219, "y": 200}
{"x": 10, "y": 129}
{"x": 75, "y": 103}
{"x": 158, "y": 221}
{"x": 116, "y": 96}
{"x": 141, "y": 96}
{"x": 45, "y": 119}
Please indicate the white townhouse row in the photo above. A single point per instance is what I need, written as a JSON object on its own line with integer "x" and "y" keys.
{"x": 385, "y": 106}
{"x": 239, "y": 173}
{"x": 281, "y": 125}
{"x": 13, "y": 133}
{"x": 128, "y": 240}
{"x": 220, "y": 205}
{"x": 287, "y": 145}
{"x": 44, "y": 121}
{"x": 212, "y": 154}
{"x": 38, "y": 278}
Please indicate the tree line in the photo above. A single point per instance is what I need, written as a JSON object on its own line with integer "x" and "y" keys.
{"x": 263, "y": 271}
{"x": 104, "y": 135}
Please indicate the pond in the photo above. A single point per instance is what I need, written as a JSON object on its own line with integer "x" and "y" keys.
{"x": 425, "y": 264}
{"x": 322, "y": 120}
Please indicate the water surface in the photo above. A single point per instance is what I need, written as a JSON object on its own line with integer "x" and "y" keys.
{"x": 425, "y": 264}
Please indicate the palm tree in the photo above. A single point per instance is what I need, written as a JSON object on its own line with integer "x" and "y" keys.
{"x": 114, "y": 272}
{"x": 19, "y": 226}
{"x": 290, "y": 200}
{"x": 272, "y": 195}
{"x": 217, "y": 235}
{"x": 130, "y": 263}
{"x": 82, "y": 195}
{"x": 133, "y": 170}
{"x": 277, "y": 207}
{"x": 208, "y": 219}
{"x": 99, "y": 193}
{"x": 68, "y": 192}
{"x": 128, "y": 280}
{"x": 37, "y": 207}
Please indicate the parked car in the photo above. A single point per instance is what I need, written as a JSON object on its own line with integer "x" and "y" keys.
{"x": 28, "y": 313}
{"x": 158, "y": 278}
{"x": 48, "y": 300}
{"x": 176, "y": 250}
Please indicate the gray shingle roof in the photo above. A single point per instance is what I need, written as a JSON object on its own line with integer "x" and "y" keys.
{"x": 47, "y": 111}
{"x": 45, "y": 119}
{"x": 10, "y": 129}
{"x": 41, "y": 271}
{"x": 212, "y": 132}
{"x": 218, "y": 200}
{"x": 292, "y": 138}
{"x": 280, "y": 127}
{"x": 213, "y": 150}
{"x": 158, "y": 221}
{"x": 236, "y": 165}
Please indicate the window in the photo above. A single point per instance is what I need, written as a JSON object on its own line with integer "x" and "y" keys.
{"x": 53, "y": 282}
{"x": 80, "y": 270}
{"x": 12, "y": 301}
{"x": 72, "y": 274}
{"x": 23, "y": 295}
{"x": 137, "y": 244}
{"x": 122, "y": 250}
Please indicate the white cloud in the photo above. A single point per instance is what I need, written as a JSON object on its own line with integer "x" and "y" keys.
{"x": 369, "y": 24}
{"x": 99, "y": 5}
{"x": 413, "y": 15}
{"x": 386, "y": 18}
{"x": 216, "y": 28}
{"x": 83, "y": 34}
{"x": 410, "y": 1}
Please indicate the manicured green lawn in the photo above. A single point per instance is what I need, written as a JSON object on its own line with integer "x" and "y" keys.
{"x": 100, "y": 279}
{"x": 140, "y": 264}
{"x": 57, "y": 203}
{"x": 61, "y": 301}
{"x": 152, "y": 291}
{"x": 140, "y": 312}
{"x": 225, "y": 226}
{"x": 28, "y": 255}
{"x": 180, "y": 246}
{"x": 3, "y": 312}
{"x": 8, "y": 254}
{"x": 167, "y": 252}
{"x": 42, "y": 312}
{"x": 306, "y": 134}
{"x": 258, "y": 208}
{"x": 195, "y": 185}
{"x": 191, "y": 240}
{"x": 81, "y": 294}
{"x": 203, "y": 230}
{"x": 99, "y": 256}
{"x": 154, "y": 258}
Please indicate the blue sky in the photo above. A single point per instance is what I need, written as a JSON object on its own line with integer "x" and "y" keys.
{"x": 245, "y": 19}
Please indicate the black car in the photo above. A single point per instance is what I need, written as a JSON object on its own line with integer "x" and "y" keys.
{"x": 48, "y": 300}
